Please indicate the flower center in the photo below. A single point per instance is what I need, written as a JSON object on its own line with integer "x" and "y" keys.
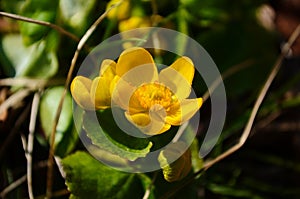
{"x": 152, "y": 94}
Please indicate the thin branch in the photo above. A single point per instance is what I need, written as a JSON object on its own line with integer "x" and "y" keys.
{"x": 21, "y": 180}
{"x": 232, "y": 70}
{"x": 172, "y": 192}
{"x": 154, "y": 7}
{"x": 43, "y": 23}
{"x": 285, "y": 126}
{"x": 265, "y": 122}
{"x": 56, "y": 194}
{"x": 14, "y": 99}
{"x": 258, "y": 102}
{"x": 58, "y": 111}
{"x": 13, "y": 185}
{"x": 246, "y": 132}
{"x": 148, "y": 191}
{"x": 14, "y": 131}
{"x": 24, "y": 141}
{"x": 31, "y": 83}
{"x": 32, "y": 123}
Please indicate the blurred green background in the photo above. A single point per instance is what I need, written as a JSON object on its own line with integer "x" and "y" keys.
{"x": 240, "y": 35}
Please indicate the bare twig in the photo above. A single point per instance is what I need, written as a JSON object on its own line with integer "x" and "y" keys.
{"x": 21, "y": 180}
{"x": 43, "y": 23}
{"x": 33, "y": 116}
{"x": 13, "y": 185}
{"x": 56, "y": 194}
{"x": 148, "y": 191}
{"x": 33, "y": 84}
{"x": 172, "y": 192}
{"x": 24, "y": 141}
{"x": 69, "y": 76}
{"x": 248, "y": 127}
{"x": 154, "y": 7}
{"x": 265, "y": 122}
{"x": 14, "y": 131}
{"x": 285, "y": 126}
{"x": 258, "y": 102}
{"x": 232, "y": 70}
{"x": 14, "y": 99}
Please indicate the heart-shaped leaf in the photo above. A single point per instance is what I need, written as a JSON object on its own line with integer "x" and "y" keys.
{"x": 88, "y": 178}
{"x": 105, "y": 133}
{"x": 66, "y": 134}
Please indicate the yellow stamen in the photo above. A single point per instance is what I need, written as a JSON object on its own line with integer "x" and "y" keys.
{"x": 151, "y": 94}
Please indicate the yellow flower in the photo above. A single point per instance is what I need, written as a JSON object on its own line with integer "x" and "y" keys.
{"x": 152, "y": 101}
{"x": 94, "y": 94}
{"x": 134, "y": 22}
{"x": 120, "y": 12}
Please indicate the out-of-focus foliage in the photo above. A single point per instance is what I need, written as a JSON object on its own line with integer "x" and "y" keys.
{"x": 113, "y": 139}
{"x": 231, "y": 34}
{"x": 87, "y": 178}
{"x": 34, "y": 61}
{"x": 66, "y": 134}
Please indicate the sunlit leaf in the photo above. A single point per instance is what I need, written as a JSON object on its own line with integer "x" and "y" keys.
{"x": 66, "y": 134}
{"x": 112, "y": 138}
{"x": 88, "y": 178}
{"x": 32, "y": 61}
{"x": 178, "y": 169}
{"x": 39, "y": 10}
{"x": 77, "y": 13}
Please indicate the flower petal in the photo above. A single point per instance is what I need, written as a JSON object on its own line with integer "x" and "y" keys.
{"x": 135, "y": 105}
{"x": 136, "y": 66}
{"x": 120, "y": 12}
{"x": 185, "y": 67}
{"x": 139, "y": 119}
{"x": 108, "y": 68}
{"x": 80, "y": 89}
{"x": 178, "y": 77}
{"x": 187, "y": 109}
{"x": 150, "y": 124}
{"x": 121, "y": 91}
{"x": 100, "y": 92}
{"x": 134, "y": 22}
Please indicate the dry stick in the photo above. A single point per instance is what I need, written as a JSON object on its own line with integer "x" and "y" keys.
{"x": 214, "y": 85}
{"x": 232, "y": 70}
{"x": 21, "y": 180}
{"x": 14, "y": 99}
{"x": 258, "y": 102}
{"x": 43, "y": 23}
{"x": 33, "y": 116}
{"x": 59, "y": 193}
{"x": 148, "y": 191}
{"x": 247, "y": 129}
{"x": 154, "y": 7}
{"x": 13, "y": 185}
{"x": 31, "y": 83}
{"x": 265, "y": 122}
{"x": 68, "y": 80}
{"x": 226, "y": 74}
{"x": 14, "y": 131}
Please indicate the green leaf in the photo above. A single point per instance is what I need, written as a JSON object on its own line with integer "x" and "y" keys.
{"x": 35, "y": 32}
{"x": 197, "y": 162}
{"x": 11, "y": 6}
{"x": 148, "y": 185}
{"x": 88, "y": 178}
{"x": 39, "y": 10}
{"x": 66, "y": 135}
{"x": 111, "y": 138}
{"x": 33, "y": 61}
{"x": 77, "y": 14}
{"x": 181, "y": 167}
